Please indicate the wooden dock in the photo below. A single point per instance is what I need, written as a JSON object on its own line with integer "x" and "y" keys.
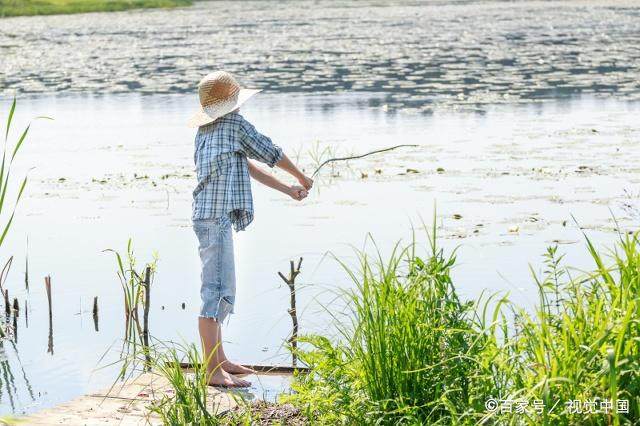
{"x": 123, "y": 405}
{"x": 126, "y": 404}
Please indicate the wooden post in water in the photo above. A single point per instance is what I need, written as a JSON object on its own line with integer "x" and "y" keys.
{"x": 291, "y": 282}
{"x": 95, "y": 313}
{"x": 47, "y": 286}
{"x": 16, "y": 306}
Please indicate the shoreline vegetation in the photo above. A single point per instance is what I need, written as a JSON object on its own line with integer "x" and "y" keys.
{"x": 12, "y": 8}
{"x": 412, "y": 352}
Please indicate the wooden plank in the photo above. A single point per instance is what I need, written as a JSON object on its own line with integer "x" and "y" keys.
{"x": 274, "y": 369}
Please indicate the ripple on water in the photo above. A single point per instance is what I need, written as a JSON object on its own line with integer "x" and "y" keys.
{"x": 424, "y": 55}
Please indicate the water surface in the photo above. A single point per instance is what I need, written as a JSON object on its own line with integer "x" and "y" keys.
{"x": 424, "y": 55}
{"x": 109, "y": 168}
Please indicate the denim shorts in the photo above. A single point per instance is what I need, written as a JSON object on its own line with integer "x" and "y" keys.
{"x": 218, "y": 288}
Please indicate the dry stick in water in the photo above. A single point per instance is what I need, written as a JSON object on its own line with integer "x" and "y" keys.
{"x": 145, "y": 317}
{"x": 355, "y": 157}
{"x": 47, "y": 286}
{"x": 95, "y": 313}
{"x": 291, "y": 282}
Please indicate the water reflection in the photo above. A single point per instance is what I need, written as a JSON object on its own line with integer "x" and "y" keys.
{"x": 9, "y": 390}
{"x": 47, "y": 284}
{"x": 15, "y": 326}
{"x": 50, "y": 340}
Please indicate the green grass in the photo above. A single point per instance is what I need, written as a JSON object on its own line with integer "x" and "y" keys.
{"x": 56, "y": 7}
{"x": 190, "y": 402}
{"x": 415, "y": 353}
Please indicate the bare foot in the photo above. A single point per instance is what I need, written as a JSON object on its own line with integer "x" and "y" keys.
{"x": 240, "y": 382}
{"x": 224, "y": 379}
{"x": 234, "y": 368}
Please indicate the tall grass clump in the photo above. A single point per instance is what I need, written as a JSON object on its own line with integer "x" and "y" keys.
{"x": 190, "y": 402}
{"x": 407, "y": 356}
{"x": 583, "y": 342}
{"x": 184, "y": 396}
{"x": 413, "y": 352}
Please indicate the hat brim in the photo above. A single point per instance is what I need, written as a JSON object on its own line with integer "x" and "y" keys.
{"x": 208, "y": 115}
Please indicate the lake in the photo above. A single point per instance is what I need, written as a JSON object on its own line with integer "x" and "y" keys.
{"x": 515, "y": 155}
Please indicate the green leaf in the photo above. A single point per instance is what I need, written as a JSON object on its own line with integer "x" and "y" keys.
{"x": 19, "y": 144}
{"x": 11, "y": 111}
{"x": 6, "y": 228}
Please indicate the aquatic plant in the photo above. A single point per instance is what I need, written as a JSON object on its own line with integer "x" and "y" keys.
{"x": 319, "y": 154}
{"x": 8, "y": 156}
{"x": 414, "y": 353}
{"x": 7, "y": 206}
{"x": 136, "y": 287}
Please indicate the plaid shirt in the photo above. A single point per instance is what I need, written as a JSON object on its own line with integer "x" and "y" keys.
{"x": 221, "y": 152}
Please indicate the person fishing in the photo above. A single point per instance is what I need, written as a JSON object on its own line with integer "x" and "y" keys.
{"x": 225, "y": 146}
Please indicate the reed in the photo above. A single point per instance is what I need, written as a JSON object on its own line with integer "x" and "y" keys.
{"x": 8, "y": 205}
{"x": 414, "y": 353}
{"x": 136, "y": 294}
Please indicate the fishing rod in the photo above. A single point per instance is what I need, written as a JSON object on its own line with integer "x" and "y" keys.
{"x": 355, "y": 157}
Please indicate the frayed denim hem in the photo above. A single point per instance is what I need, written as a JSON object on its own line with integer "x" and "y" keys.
{"x": 224, "y": 308}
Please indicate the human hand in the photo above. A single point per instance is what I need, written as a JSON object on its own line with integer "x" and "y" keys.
{"x": 306, "y": 182}
{"x": 296, "y": 192}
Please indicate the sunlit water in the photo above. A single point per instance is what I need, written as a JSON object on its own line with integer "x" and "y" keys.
{"x": 110, "y": 168}
{"x": 424, "y": 55}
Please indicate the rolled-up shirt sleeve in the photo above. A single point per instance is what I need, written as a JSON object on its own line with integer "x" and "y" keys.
{"x": 258, "y": 146}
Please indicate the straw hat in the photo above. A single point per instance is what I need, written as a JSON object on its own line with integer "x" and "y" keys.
{"x": 219, "y": 94}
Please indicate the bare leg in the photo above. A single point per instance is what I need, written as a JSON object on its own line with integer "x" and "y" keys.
{"x": 211, "y": 341}
{"x": 228, "y": 366}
